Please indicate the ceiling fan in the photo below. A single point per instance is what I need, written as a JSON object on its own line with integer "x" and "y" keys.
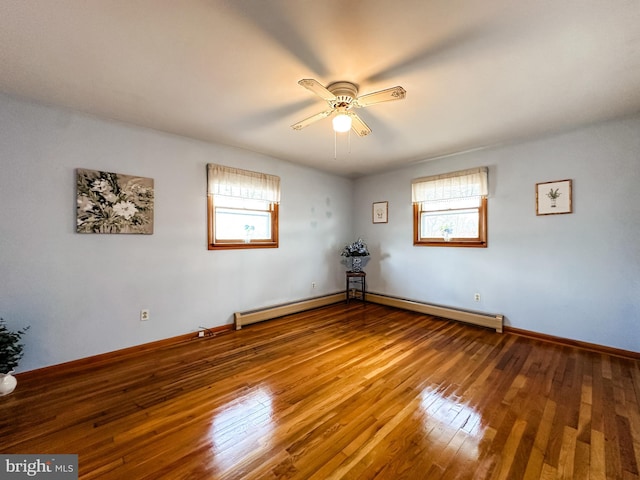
{"x": 342, "y": 97}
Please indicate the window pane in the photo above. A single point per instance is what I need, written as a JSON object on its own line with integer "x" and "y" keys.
{"x": 470, "y": 202}
{"x": 233, "y": 224}
{"x": 245, "y": 203}
{"x": 457, "y": 223}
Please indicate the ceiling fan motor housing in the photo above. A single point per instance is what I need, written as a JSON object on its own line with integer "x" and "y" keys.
{"x": 345, "y": 92}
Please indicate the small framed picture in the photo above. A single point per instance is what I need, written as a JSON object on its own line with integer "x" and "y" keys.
{"x": 553, "y": 197}
{"x": 380, "y": 212}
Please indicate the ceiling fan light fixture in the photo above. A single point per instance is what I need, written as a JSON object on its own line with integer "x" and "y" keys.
{"x": 342, "y": 97}
{"x": 341, "y": 123}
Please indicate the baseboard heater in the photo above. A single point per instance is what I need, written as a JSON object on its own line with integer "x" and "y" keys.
{"x": 475, "y": 318}
{"x": 267, "y": 313}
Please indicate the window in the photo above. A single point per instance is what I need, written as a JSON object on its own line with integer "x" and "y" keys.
{"x": 242, "y": 208}
{"x": 451, "y": 209}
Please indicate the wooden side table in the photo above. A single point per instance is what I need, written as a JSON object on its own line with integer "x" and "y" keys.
{"x": 361, "y": 276}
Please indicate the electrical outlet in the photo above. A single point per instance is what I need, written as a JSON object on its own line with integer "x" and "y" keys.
{"x": 201, "y": 333}
{"x": 144, "y": 315}
{"x": 313, "y": 284}
{"x": 476, "y": 297}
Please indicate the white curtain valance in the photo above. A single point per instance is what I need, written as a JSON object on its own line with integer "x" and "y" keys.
{"x": 450, "y": 186}
{"x": 235, "y": 182}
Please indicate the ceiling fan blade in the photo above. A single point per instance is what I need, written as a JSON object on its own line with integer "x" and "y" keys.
{"x": 278, "y": 24}
{"x": 317, "y": 88}
{"x": 358, "y": 125}
{"x": 387, "y": 95}
{"x": 308, "y": 121}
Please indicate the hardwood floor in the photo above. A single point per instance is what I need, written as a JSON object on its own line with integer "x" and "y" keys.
{"x": 358, "y": 391}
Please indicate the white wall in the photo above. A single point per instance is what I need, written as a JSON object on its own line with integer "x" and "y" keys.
{"x": 82, "y": 294}
{"x": 574, "y": 276}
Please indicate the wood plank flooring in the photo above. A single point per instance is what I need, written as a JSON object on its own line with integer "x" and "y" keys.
{"x": 341, "y": 392}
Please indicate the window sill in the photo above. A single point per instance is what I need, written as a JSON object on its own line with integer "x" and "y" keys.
{"x": 451, "y": 243}
{"x": 241, "y": 246}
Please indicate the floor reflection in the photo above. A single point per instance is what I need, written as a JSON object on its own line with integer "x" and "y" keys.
{"x": 445, "y": 416}
{"x": 240, "y": 427}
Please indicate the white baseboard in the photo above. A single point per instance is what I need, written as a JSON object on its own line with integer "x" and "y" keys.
{"x": 267, "y": 313}
{"x": 475, "y": 318}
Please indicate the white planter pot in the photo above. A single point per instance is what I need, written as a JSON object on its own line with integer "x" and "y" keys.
{"x": 7, "y": 384}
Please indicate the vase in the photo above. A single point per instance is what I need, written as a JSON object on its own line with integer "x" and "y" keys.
{"x": 356, "y": 264}
{"x": 7, "y": 384}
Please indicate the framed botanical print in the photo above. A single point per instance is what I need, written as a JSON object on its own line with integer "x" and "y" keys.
{"x": 553, "y": 197}
{"x": 380, "y": 212}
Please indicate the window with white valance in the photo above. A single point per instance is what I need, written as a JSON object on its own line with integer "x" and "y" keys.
{"x": 242, "y": 208}
{"x": 451, "y": 209}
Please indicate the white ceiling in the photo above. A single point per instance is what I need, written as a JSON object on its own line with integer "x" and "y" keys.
{"x": 476, "y": 72}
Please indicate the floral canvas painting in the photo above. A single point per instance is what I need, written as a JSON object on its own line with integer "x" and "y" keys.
{"x": 113, "y": 203}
